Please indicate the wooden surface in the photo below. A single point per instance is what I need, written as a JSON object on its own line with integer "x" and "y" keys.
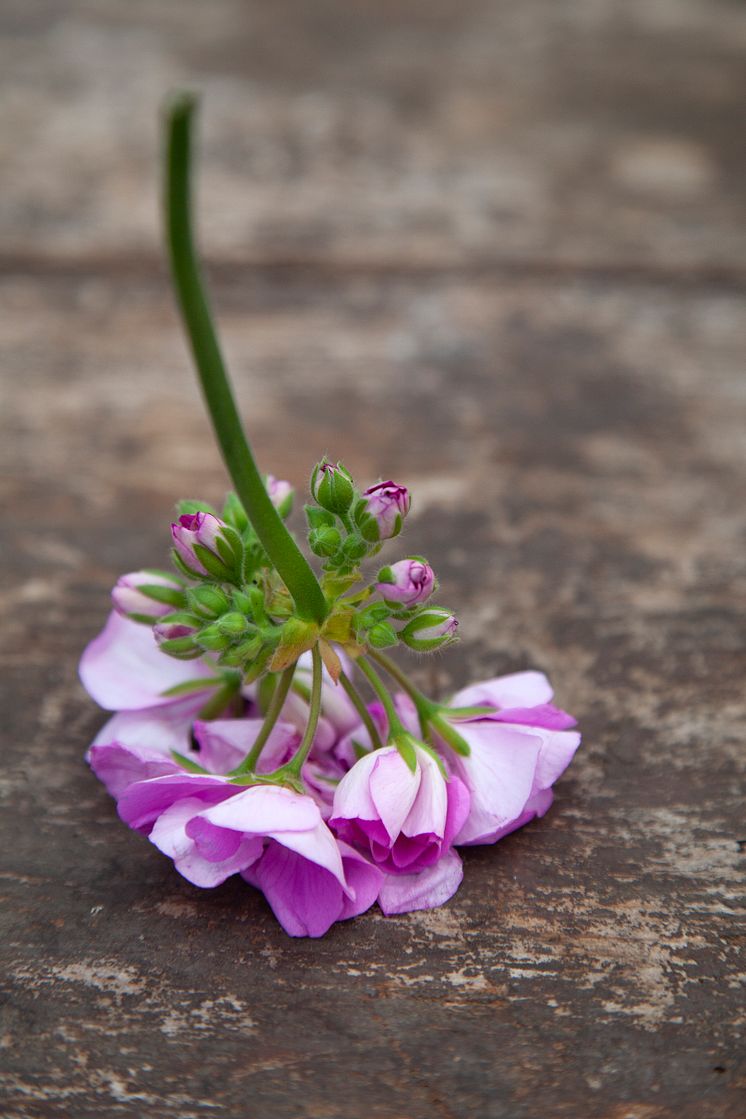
{"x": 495, "y": 251}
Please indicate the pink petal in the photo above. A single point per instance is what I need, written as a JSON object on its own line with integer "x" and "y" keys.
{"x": 427, "y": 815}
{"x": 393, "y": 788}
{"x": 224, "y": 743}
{"x": 519, "y": 689}
{"x": 427, "y": 889}
{"x": 262, "y": 809}
{"x": 305, "y": 898}
{"x": 142, "y": 803}
{"x": 157, "y": 729}
{"x": 499, "y": 773}
{"x": 123, "y": 668}
{"x": 364, "y": 880}
{"x": 119, "y": 766}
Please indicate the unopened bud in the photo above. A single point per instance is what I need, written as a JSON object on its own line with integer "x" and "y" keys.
{"x": 145, "y": 596}
{"x": 381, "y": 511}
{"x": 406, "y": 583}
{"x": 233, "y": 624}
{"x": 208, "y": 600}
{"x": 175, "y": 635}
{"x": 433, "y": 628}
{"x": 324, "y": 541}
{"x": 206, "y": 546}
{"x": 332, "y": 487}
{"x": 280, "y": 494}
{"x": 382, "y": 636}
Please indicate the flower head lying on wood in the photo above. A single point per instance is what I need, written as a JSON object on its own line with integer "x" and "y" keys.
{"x": 240, "y": 741}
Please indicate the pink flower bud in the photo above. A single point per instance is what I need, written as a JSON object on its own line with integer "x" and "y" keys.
{"x": 407, "y": 582}
{"x": 128, "y": 598}
{"x": 387, "y": 504}
{"x": 280, "y": 493}
{"x": 194, "y": 529}
{"x": 432, "y": 629}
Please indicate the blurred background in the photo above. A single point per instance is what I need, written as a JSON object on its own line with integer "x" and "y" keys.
{"x": 494, "y": 250}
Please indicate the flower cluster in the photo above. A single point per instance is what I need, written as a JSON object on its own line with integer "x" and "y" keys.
{"x": 236, "y": 752}
{"x": 240, "y": 741}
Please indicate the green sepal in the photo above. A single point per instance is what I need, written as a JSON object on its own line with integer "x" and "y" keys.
{"x": 296, "y": 637}
{"x": 381, "y": 635}
{"x": 451, "y": 736}
{"x": 183, "y": 648}
{"x": 385, "y": 575}
{"x": 169, "y": 596}
{"x": 234, "y": 513}
{"x": 187, "y": 763}
{"x": 405, "y": 744}
{"x": 233, "y": 624}
{"x": 196, "y": 685}
{"x": 258, "y": 665}
{"x": 208, "y": 600}
{"x": 180, "y": 566}
{"x": 189, "y": 505}
{"x": 319, "y": 518}
{"x": 213, "y": 565}
{"x": 213, "y": 638}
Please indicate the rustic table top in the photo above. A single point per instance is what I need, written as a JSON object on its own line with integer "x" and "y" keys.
{"x": 495, "y": 251}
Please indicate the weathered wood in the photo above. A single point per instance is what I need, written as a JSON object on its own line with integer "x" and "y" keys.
{"x": 574, "y": 440}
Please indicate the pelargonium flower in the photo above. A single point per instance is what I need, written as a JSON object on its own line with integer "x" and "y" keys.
{"x": 516, "y": 753}
{"x": 274, "y": 836}
{"x": 194, "y": 532}
{"x": 405, "y": 820}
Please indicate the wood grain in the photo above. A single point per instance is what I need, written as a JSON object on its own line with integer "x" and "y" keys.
{"x": 492, "y": 250}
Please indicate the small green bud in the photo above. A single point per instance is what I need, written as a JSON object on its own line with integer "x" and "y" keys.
{"x": 213, "y": 638}
{"x": 332, "y": 487}
{"x": 233, "y": 624}
{"x": 382, "y": 636}
{"x": 208, "y": 600}
{"x": 324, "y": 541}
{"x": 354, "y": 549}
{"x": 319, "y": 518}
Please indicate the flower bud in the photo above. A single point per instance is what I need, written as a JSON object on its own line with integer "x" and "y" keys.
{"x": 208, "y": 600}
{"x": 280, "y": 494}
{"x": 324, "y": 541}
{"x": 381, "y": 636}
{"x": 144, "y": 595}
{"x": 233, "y": 624}
{"x": 381, "y": 511}
{"x": 354, "y": 549}
{"x": 332, "y": 487}
{"x": 433, "y": 628}
{"x": 206, "y": 546}
{"x": 175, "y": 635}
{"x": 406, "y": 583}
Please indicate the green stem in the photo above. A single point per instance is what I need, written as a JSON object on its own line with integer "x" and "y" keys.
{"x": 430, "y": 714}
{"x": 295, "y": 765}
{"x": 395, "y": 724}
{"x": 426, "y": 708}
{"x": 217, "y": 702}
{"x": 273, "y": 713}
{"x": 359, "y": 704}
{"x": 279, "y": 545}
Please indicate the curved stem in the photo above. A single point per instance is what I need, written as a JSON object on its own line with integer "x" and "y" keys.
{"x": 273, "y": 713}
{"x": 279, "y": 545}
{"x": 358, "y": 703}
{"x": 426, "y": 708}
{"x": 378, "y": 686}
{"x": 295, "y": 765}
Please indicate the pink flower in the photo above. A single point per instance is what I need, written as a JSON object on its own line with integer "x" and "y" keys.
{"x": 407, "y": 582}
{"x": 405, "y": 820}
{"x": 123, "y": 668}
{"x": 385, "y": 507}
{"x": 516, "y": 756}
{"x": 274, "y": 836}
{"x": 280, "y": 493}
{"x": 433, "y": 628}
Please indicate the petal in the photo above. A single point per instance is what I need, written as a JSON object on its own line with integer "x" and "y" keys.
{"x": 428, "y": 812}
{"x": 543, "y": 715}
{"x": 158, "y": 729}
{"x": 459, "y": 806}
{"x": 262, "y": 809}
{"x": 170, "y": 835}
{"x": 123, "y": 668}
{"x": 536, "y": 806}
{"x": 224, "y": 743}
{"x": 143, "y": 802}
{"x": 499, "y": 774}
{"x": 119, "y": 766}
{"x": 305, "y": 898}
{"x": 393, "y": 788}
{"x": 431, "y": 887}
{"x": 363, "y": 878}
{"x": 519, "y": 689}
